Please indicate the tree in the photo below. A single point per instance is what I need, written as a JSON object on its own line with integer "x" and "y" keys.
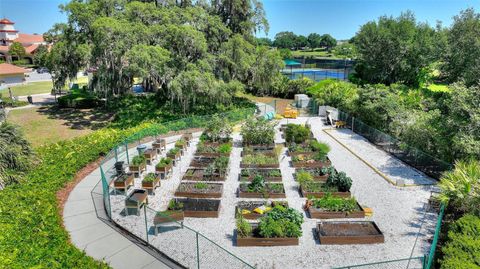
{"x": 461, "y": 59}
{"x": 301, "y": 41}
{"x": 286, "y": 40}
{"x": 16, "y": 50}
{"x": 40, "y": 56}
{"x": 236, "y": 58}
{"x": 394, "y": 50}
{"x": 264, "y": 41}
{"x": 328, "y": 41}
{"x": 243, "y": 17}
{"x": 346, "y": 50}
{"x": 340, "y": 94}
{"x": 264, "y": 69}
{"x": 314, "y": 40}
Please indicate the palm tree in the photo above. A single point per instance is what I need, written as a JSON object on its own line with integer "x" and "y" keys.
{"x": 460, "y": 188}
{"x": 15, "y": 154}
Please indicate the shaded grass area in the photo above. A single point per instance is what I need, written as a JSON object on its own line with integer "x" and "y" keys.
{"x": 49, "y": 124}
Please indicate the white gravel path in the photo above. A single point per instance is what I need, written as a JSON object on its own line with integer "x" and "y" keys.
{"x": 397, "y": 212}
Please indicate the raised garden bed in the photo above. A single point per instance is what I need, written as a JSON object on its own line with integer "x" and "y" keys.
{"x": 319, "y": 189}
{"x": 213, "y": 149}
{"x": 270, "y": 190}
{"x": 150, "y": 155}
{"x": 199, "y": 190}
{"x": 311, "y": 164}
{"x": 135, "y": 200}
{"x": 166, "y": 217}
{"x": 188, "y": 137}
{"x": 164, "y": 166}
{"x": 159, "y": 145}
{"x": 151, "y": 181}
{"x": 174, "y": 154}
{"x": 330, "y": 207}
{"x": 137, "y": 165}
{"x": 196, "y": 208}
{"x": 316, "y": 174}
{"x": 201, "y": 161}
{"x": 349, "y": 232}
{"x": 252, "y": 210}
{"x": 182, "y": 144}
{"x": 279, "y": 227}
{"x": 264, "y": 147}
{"x": 198, "y": 174}
{"x": 270, "y": 175}
{"x": 260, "y": 160}
{"x": 123, "y": 181}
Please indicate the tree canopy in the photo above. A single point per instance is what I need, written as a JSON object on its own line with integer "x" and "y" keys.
{"x": 186, "y": 51}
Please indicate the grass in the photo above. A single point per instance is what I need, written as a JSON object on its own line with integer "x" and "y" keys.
{"x": 30, "y": 88}
{"x": 40, "y": 128}
{"x": 315, "y": 53}
{"x": 434, "y": 87}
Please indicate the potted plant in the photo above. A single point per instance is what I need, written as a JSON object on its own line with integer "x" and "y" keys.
{"x": 174, "y": 154}
{"x": 181, "y": 144}
{"x": 159, "y": 145}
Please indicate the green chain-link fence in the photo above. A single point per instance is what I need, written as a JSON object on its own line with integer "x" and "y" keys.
{"x": 185, "y": 245}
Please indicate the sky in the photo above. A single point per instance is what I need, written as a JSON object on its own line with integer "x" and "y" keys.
{"x": 340, "y": 18}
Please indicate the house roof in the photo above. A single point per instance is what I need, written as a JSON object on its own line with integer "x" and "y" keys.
{"x": 4, "y": 48}
{"x": 6, "y": 21}
{"x": 30, "y": 49}
{"x": 28, "y": 38}
{"x": 10, "y": 69}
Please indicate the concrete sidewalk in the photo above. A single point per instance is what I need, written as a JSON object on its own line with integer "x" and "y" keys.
{"x": 95, "y": 237}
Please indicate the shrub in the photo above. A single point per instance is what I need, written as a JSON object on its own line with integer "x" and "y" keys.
{"x": 297, "y": 133}
{"x": 78, "y": 100}
{"x": 281, "y": 222}
{"x": 258, "y": 132}
{"x": 462, "y": 249}
{"x": 303, "y": 177}
{"x": 337, "y": 204}
{"x": 217, "y": 129}
{"x": 138, "y": 160}
{"x": 244, "y": 229}
{"x": 339, "y": 180}
{"x": 336, "y": 93}
{"x": 225, "y": 148}
{"x": 257, "y": 184}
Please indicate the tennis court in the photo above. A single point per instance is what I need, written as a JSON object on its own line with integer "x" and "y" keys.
{"x": 316, "y": 74}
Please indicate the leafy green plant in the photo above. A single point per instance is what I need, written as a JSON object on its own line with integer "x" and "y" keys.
{"x": 225, "y": 148}
{"x": 281, "y": 222}
{"x": 275, "y": 187}
{"x": 274, "y": 173}
{"x": 138, "y": 160}
{"x": 164, "y": 162}
{"x": 258, "y": 132}
{"x": 460, "y": 188}
{"x": 218, "y": 129}
{"x": 200, "y": 185}
{"x": 296, "y": 133}
{"x": 245, "y": 172}
{"x": 180, "y": 143}
{"x": 244, "y": 229}
{"x": 221, "y": 164}
{"x": 461, "y": 249}
{"x": 304, "y": 177}
{"x": 336, "y": 204}
{"x": 174, "y": 151}
{"x": 321, "y": 148}
{"x": 175, "y": 205}
{"x": 150, "y": 177}
{"x": 257, "y": 184}
{"x": 340, "y": 180}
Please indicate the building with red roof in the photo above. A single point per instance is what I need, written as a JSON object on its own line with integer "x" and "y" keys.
{"x": 11, "y": 74}
{"x": 8, "y": 35}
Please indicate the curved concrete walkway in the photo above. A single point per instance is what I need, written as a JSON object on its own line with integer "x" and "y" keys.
{"x": 98, "y": 239}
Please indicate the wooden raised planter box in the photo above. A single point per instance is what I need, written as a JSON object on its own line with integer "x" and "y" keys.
{"x": 261, "y": 147}
{"x": 308, "y": 164}
{"x": 186, "y": 189}
{"x": 135, "y": 200}
{"x": 175, "y": 157}
{"x": 137, "y": 170}
{"x": 164, "y": 169}
{"x": 322, "y": 194}
{"x": 316, "y": 213}
{"x": 268, "y": 152}
{"x": 150, "y": 155}
{"x": 169, "y": 216}
{"x": 262, "y": 172}
{"x": 245, "y": 194}
{"x": 251, "y": 205}
{"x": 152, "y": 185}
{"x": 244, "y": 165}
{"x": 188, "y": 137}
{"x": 349, "y": 232}
{"x": 201, "y": 162}
{"x": 199, "y": 175}
{"x": 159, "y": 145}
{"x": 200, "y": 208}
{"x": 322, "y": 179}
{"x": 124, "y": 181}
{"x": 266, "y": 242}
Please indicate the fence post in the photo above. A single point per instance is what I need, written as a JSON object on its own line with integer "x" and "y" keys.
{"x": 116, "y": 154}
{"x": 353, "y": 121}
{"x": 198, "y": 252}
{"x": 146, "y": 226}
{"x": 126, "y": 151}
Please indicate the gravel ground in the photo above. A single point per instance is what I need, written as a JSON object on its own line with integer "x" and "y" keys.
{"x": 397, "y": 211}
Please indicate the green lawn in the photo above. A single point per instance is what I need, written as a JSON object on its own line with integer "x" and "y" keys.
{"x": 315, "y": 53}
{"x": 30, "y": 88}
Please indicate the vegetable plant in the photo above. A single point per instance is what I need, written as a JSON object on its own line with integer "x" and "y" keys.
{"x": 258, "y": 132}
{"x": 200, "y": 185}
{"x": 150, "y": 177}
{"x": 164, "y": 162}
{"x": 244, "y": 229}
{"x": 336, "y": 204}
{"x": 296, "y": 133}
{"x": 281, "y": 222}
{"x": 257, "y": 184}
{"x": 138, "y": 160}
{"x": 339, "y": 180}
{"x": 174, "y": 205}
{"x": 259, "y": 159}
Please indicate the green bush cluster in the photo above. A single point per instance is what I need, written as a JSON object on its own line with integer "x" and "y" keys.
{"x": 281, "y": 222}
{"x": 336, "y": 204}
{"x": 78, "y": 99}
{"x": 297, "y": 133}
{"x": 462, "y": 249}
{"x": 258, "y": 132}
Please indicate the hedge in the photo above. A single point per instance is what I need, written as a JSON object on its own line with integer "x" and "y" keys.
{"x": 462, "y": 249}
{"x": 31, "y": 231}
